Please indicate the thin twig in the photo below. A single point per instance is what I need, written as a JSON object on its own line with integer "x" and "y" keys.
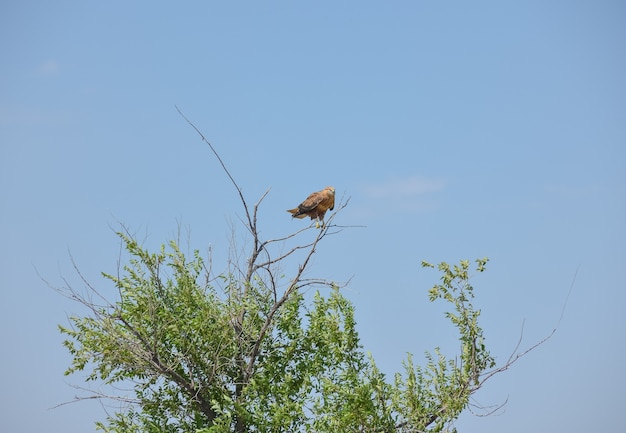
{"x": 241, "y": 197}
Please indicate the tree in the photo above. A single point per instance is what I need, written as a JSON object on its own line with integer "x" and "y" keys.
{"x": 244, "y": 351}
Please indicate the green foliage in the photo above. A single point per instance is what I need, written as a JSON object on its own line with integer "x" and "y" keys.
{"x": 433, "y": 396}
{"x": 233, "y": 355}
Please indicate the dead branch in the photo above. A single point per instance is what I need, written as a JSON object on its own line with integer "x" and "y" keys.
{"x": 516, "y": 355}
{"x": 219, "y": 158}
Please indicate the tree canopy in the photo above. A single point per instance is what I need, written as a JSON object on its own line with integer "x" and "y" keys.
{"x": 233, "y": 354}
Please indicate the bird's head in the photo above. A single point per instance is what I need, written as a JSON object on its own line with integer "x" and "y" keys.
{"x": 330, "y": 189}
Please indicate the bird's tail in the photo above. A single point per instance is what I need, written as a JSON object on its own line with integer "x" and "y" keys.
{"x": 296, "y": 213}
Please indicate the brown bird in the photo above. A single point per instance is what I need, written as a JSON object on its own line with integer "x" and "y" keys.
{"x": 316, "y": 205}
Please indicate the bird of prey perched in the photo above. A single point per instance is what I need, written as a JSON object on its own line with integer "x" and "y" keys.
{"x": 316, "y": 205}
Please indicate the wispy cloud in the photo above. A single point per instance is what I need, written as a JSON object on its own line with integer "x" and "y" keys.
{"x": 32, "y": 116}
{"x": 412, "y": 194}
{"x": 566, "y": 191}
{"x": 403, "y": 187}
{"x": 48, "y": 68}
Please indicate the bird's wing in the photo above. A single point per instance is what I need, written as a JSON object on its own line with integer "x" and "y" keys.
{"x": 311, "y": 202}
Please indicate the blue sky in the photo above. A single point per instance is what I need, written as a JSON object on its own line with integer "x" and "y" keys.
{"x": 458, "y": 130}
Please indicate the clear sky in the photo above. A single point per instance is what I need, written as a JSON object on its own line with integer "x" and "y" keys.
{"x": 458, "y": 130}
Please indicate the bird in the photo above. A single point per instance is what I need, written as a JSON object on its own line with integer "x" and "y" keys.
{"x": 316, "y": 205}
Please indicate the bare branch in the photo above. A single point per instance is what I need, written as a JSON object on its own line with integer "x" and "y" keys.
{"x": 293, "y": 285}
{"x": 96, "y": 395}
{"x": 516, "y": 355}
{"x": 241, "y": 197}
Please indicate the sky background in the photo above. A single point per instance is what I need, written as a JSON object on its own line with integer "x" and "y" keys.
{"x": 457, "y": 129}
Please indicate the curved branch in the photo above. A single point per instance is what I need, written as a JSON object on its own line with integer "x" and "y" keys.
{"x": 241, "y": 197}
